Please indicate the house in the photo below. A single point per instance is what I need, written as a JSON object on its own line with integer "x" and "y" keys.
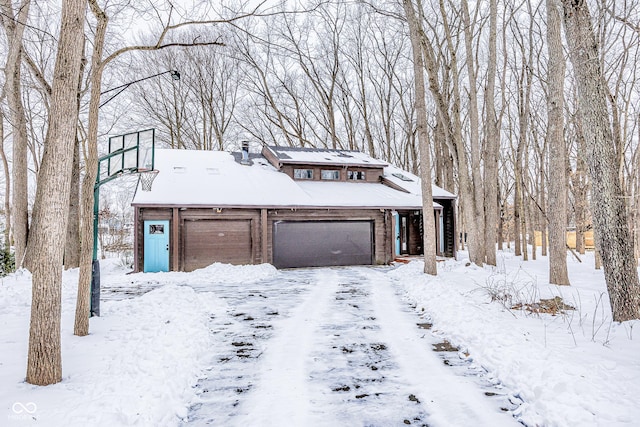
{"x": 292, "y": 207}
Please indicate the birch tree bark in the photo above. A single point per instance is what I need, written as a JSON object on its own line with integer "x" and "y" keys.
{"x": 607, "y": 201}
{"x": 51, "y": 205}
{"x": 423, "y": 139}
{"x": 557, "y": 210}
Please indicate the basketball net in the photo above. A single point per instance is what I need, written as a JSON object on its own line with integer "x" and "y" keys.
{"x": 146, "y": 178}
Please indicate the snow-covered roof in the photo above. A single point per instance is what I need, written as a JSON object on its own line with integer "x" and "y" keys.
{"x": 215, "y": 179}
{"x": 412, "y": 183}
{"x": 319, "y": 156}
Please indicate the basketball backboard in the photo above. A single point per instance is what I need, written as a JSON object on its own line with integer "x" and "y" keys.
{"x": 129, "y": 153}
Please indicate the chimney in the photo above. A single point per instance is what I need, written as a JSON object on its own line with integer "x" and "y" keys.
{"x": 245, "y": 153}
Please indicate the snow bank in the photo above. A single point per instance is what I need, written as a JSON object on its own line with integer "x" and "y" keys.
{"x": 200, "y": 279}
{"x": 137, "y": 367}
{"x": 577, "y": 368}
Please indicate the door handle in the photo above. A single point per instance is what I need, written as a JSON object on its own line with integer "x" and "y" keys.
{"x": 167, "y": 246}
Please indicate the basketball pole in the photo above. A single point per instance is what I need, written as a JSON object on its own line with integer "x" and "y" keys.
{"x": 95, "y": 264}
{"x": 94, "y": 309}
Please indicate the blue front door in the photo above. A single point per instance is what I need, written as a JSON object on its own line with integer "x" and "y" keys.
{"x": 156, "y": 246}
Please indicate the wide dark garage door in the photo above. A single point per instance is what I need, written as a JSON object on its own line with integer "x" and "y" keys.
{"x": 322, "y": 243}
{"x": 209, "y": 241}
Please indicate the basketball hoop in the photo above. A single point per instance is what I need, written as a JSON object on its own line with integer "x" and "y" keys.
{"x": 147, "y": 177}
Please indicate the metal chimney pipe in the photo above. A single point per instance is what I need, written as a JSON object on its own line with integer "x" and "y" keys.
{"x": 245, "y": 153}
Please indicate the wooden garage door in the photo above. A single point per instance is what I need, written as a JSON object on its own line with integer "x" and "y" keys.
{"x": 209, "y": 241}
{"x": 322, "y": 243}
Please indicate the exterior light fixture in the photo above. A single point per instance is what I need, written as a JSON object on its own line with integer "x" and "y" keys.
{"x": 175, "y": 75}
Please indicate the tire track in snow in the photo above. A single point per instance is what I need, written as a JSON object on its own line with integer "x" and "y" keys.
{"x": 357, "y": 382}
{"x": 331, "y": 347}
{"x": 280, "y": 396}
{"x": 240, "y": 333}
{"x": 450, "y": 400}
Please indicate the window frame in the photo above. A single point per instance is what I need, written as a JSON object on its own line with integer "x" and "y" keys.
{"x": 355, "y": 175}
{"x": 335, "y": 174}
{"x": 299, "y": 172}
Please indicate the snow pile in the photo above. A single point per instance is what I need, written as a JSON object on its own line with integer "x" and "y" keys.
{"x": 199, "y": 279}
{"x": 577, "y": 367}
{"x": 137, "y": 367}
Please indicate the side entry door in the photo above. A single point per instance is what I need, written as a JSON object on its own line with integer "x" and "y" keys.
{"x": 156, "y": 246}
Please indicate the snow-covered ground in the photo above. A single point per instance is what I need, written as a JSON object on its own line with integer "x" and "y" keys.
{"x": 354, "y": 346}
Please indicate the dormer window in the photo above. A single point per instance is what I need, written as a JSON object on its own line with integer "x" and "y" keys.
{"x": 330, "y": 175}
{"x": 356, "y": 176}
{"x": 303, "y": 173}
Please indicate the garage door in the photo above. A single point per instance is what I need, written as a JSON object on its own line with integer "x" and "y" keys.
{"x": 322, "y": 243}
{"x": 209, "y": 241}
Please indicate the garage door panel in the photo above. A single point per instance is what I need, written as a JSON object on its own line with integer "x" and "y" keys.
{"x": 322, "y": 243}
{"x": 209, "y": 241}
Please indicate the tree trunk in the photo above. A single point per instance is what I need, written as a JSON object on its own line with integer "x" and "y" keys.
{"x": 14, "y": 29}
{"x": 474, "y": 139}
{"x": 607, "y": 203}
{"x": 501, "y": 212}
{"x": 51, "y": 205}
{"x": 492, "y": 146}
{"x": 7, "y": 187}
{"x": 72, "y": 241}
{"x": 517, "y": 202}
{"x": 580, "y": 185}
{"x": 473, "y": 217}
{"x": 557, "y": 210}
{"x": 429, "y": 237}
{"x": 81, "y": 325}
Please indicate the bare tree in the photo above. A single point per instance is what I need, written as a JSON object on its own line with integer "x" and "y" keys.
{"x": 7, "y": 184}
{"x": 14, "y": 26}
{"x": 557, "y": 211}
{"x": 50, "y": 212}
{"x": 81, "y": 324}
{"x": 492, "y": 145}
{"x": 609, "y": 212}
{"x": 423, "y": 140}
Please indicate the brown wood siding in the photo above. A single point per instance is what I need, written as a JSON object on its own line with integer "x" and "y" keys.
{"x": 175, "y": 236}
{"x": 216, "y": 240}
{"x": 245, "y": 238}
{"x": 272, "y": 158}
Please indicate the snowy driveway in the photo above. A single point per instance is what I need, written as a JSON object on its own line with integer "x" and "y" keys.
{"x": 336, "y": 347}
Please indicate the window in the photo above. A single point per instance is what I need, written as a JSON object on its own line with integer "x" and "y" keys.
{"x": 303, "y": 173}
{"x": 402, "y": 177}
{"x": 156, "y": 229}
{"x": 330, "y": 175}
{"x": 356, "y": 175}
